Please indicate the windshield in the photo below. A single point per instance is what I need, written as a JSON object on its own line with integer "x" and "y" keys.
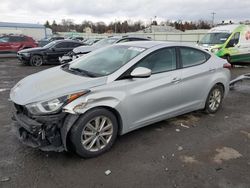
{"x": 215, "y": 38}
{"x": 105, "y": 42}
{"x": 105, "y": 61}
{"x": 4, "y": 39}
{"x": 50, "y": 44}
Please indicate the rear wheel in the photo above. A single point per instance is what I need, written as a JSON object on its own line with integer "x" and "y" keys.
{"x": 214, "y": 99}
{"x": 36, "y": 60}
{"x": 94, "y": 133}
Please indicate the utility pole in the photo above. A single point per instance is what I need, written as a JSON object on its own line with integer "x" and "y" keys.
{"x": 213, "y": 13}
{"x": 115, "y": 26}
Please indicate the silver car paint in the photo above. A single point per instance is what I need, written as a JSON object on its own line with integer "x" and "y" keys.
{"x": 138, "y": 101}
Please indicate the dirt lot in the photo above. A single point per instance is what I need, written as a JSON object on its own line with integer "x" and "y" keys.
{"x": 192, "y": 151}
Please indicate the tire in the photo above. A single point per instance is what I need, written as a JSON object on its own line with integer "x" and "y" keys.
{"x": 36, "y": 60}
{"x": 228, "y": 58}
{"x": 87, "y": 137}
{"x": 214, "y": 99}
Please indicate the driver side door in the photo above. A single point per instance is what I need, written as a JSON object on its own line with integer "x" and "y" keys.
{"x": 155, "y": 98}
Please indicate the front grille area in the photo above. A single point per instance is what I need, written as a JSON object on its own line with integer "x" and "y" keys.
{"x": 21, "y": 109}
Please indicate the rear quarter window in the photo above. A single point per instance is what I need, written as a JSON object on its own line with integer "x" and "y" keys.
{"x": 191, "y": 56}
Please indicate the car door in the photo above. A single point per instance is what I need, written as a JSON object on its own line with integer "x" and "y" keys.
{"x": 151, "y": 99}
{"x": 57, "y": 51}
{"x": 233, "y": 47}
{"x": 195, "y": 73}
{"x": 5, "y": 46}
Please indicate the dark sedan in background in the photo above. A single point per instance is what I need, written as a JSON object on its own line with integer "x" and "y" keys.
{"x": 48, "y": 54}
{"x": 79, "y": 51}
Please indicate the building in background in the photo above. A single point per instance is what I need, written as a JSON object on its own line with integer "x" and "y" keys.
{"x": 36, "y": 31}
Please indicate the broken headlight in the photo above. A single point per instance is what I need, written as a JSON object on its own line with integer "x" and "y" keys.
{"x": 52, "y": 106}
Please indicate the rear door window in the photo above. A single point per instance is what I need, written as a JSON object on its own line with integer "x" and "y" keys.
{"x": 62, "y": 45}
{"x": 191, "y": 57}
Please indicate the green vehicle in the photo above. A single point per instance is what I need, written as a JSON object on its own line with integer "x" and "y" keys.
{"x": 231, "y": 42}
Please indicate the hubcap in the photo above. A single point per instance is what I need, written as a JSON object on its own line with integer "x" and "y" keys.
{"x": 215, "y": 100}
{"x": 97, "y": 133}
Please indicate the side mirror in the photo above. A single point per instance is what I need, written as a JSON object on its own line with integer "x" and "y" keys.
{"x": 141, "y": 72}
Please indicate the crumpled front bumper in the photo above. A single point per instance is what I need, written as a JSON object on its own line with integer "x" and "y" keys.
{"x": 43, "y": 132}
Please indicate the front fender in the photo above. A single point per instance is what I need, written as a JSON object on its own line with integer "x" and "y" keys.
{"x": 95, "y": 99}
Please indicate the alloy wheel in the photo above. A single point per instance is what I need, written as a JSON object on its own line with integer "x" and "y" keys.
{"x": 97, "y": 133}
{"x": 215, "y": 99}
{"x": 36, "y": 61}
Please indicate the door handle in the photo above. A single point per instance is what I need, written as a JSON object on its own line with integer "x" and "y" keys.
{"x": 175, "y": 80}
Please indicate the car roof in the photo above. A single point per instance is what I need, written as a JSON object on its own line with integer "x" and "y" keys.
{"x": 151, "y": 44}
{"x": 147, "y": 44}
{"x": 66, "y": 40}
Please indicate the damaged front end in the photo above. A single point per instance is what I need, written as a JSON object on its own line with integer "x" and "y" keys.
{"x": 48, "y": 133}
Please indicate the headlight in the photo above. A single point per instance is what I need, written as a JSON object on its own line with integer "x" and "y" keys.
{"x": 53, "y": 106}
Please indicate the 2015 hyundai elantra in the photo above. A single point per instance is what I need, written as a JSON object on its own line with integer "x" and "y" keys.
{"x": 85, "y": 104}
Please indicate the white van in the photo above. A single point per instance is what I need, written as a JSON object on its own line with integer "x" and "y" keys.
{"x": 231, "y": 42}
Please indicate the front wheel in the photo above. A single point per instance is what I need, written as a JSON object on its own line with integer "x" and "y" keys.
{"x": 228, "y": 58}
{"x": 36, "y": 60}
{"x": 94, "y": 133}
{"x": 214, "y": 99}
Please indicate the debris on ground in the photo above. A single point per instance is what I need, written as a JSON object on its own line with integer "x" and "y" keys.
{"x": 185, "y": 121}
{"x": 188, "y": 159}
{"x": 163, "y": 157}
{"x": 185, "y": 126}
{"x": 180, "y": 148}
{"x": 225, "y": 154}
{"x": 177, "y": 130}
{"x": 226, "y": 117}
{"x": 4, "y": 179}
{"x": 172, "y": 154}
{"x": 218, "y": 169}
{"x": 246, "y": 133}
{"x": 107, "y": 172}
{"x": 166, "y": 169}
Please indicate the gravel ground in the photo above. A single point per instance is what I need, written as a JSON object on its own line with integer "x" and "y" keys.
{"x": 195, "y": 150}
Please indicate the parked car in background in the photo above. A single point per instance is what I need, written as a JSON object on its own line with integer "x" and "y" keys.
{"x": 91, "y": 41}
{"x": 14, "y": 43}
{"x": 76, "y": 38}
{"x": 79, "y": 51}
{"x": 231, "y": 42}
{"x": 43, "y": 42}
{"x": 47, "y": 54}
{"x": 83, "y": 105}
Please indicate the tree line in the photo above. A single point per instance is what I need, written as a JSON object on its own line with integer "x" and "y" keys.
{"x": 67, "y": 25}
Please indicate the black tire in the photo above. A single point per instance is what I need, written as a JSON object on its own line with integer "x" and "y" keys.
{"x": 76, "y": 133}
{"x": 228, "y": 58}
{"x": 36, "y": 60}
{"x": 209, "y": 108}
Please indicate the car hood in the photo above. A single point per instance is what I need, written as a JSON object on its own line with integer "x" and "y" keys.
{"x": 84, "y": 49}
{"x": 49, "y": 84}
{"x": 32, "y": 50}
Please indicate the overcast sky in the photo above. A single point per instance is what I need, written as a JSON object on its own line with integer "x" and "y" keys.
{"x": 38, "y": 11}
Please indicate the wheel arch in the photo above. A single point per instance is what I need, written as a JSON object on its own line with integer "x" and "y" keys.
{"x": 71, "y": 119}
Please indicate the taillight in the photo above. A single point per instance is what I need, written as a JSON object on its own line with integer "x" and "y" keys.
{"x": 227, "y": 66}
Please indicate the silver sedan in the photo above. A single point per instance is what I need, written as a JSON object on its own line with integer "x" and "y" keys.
{"x": 85, "y": 104}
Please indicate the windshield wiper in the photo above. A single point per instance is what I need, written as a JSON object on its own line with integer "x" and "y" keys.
{"x": 83, "y": 72}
